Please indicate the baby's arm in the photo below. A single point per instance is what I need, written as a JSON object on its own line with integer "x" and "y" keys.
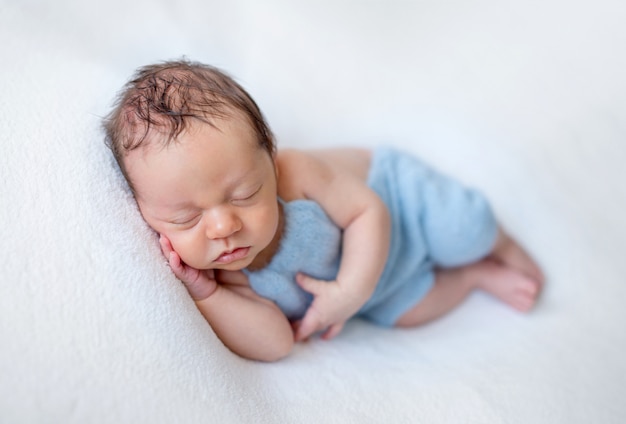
{"x": 247, "y": 324}
{"x": 355, "y": 208}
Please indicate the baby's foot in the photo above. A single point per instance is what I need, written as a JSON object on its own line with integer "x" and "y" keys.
{"x": 508, "y": 252}
{"x": 511, "y": 286}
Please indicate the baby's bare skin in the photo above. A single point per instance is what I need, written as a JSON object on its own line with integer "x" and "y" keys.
{"x": 355, "y": 161}
{"x": 352, "y": 161}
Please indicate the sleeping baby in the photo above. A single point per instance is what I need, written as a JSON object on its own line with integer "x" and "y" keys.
{"x": 276, "y": 246}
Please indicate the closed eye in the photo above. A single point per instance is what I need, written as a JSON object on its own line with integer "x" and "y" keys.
{"x": 185, "y": 221}
{"x": 248, "y": 197}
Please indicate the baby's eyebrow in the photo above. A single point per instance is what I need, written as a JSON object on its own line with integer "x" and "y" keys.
{"x": 250, "y": 177}
{"x": 183, "y": 205}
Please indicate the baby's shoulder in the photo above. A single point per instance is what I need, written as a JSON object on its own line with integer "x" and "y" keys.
{"x": 300, "y": 170}
{"x": 290, "y": 186}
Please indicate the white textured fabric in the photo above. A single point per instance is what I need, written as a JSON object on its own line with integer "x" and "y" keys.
{"x": 525, "y": 100}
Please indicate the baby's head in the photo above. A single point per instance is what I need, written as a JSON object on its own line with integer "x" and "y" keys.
{"x": 163, "y": 100}
{"x": 199, "y": 159}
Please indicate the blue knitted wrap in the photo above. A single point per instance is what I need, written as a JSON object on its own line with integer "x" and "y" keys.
{"x": 436, "y": 221}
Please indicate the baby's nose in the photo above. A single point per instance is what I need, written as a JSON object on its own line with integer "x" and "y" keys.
{"x": 224, "y": 223}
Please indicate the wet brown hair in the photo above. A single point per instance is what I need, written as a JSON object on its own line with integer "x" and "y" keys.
{"x": 161, "y": 99}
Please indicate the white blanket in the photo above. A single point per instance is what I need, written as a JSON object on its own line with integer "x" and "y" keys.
{"x": 524, "y": 100}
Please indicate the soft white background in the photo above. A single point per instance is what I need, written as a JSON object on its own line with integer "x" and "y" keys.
{"x": 525, "y": 100}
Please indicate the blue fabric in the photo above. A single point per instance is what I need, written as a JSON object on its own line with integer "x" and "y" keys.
{"x": 435, "y": 222}
{"x": 311, "y": 243}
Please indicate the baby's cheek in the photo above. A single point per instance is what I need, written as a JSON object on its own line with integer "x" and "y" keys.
{"x": 191, "y": 250}
{"x": 262, "y": 221}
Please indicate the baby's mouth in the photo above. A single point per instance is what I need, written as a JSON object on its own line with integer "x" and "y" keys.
{"x": 232, "y": 255}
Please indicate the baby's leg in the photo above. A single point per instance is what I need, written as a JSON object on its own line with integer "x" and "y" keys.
{"x": 508, "y": 274}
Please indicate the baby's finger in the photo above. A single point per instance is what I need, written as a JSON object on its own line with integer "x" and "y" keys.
{"x": 184, "y": 273}
{"x": 308, "y": 326}
{"x": 295, "y": 327}
{"x": 166, "y": 245}
{"x": 332, "y": 331}
{"x": 190, "y": 277}
{"x": 309, "y": 284}
{"x": 176, "y": 264}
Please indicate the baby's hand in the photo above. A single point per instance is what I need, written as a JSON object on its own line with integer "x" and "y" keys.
{"x": 330, "y": 310}
{"x": 199, "y": 283}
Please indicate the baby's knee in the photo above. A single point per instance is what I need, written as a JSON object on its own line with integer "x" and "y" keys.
{"x": 450, "y": 248}
{"x": 459, "y": 225}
